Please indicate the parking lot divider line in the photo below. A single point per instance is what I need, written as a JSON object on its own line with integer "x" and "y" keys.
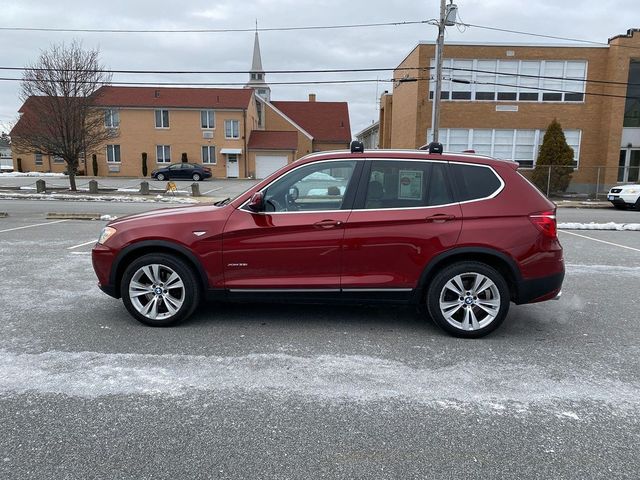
{"x": 213, "y": 190}
{"x": 82, "y": 244}
{"x": 31, "y": 226}
{"x": 601, "y": 241}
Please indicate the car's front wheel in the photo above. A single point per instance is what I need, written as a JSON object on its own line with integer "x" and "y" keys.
{"x": 468, "y": 299}
{"x": 196, "y": 177}
{"x": 160, "y": 177}
{"x": 159, "y": 290}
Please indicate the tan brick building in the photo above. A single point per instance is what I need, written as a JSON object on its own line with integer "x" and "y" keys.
{"x": 498, "y": 99}
{"x": 238, "y": 133}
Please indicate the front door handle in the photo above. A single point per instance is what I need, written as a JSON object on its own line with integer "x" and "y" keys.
{"x": 440, "y": 218}
{"x": 327, "y": 224}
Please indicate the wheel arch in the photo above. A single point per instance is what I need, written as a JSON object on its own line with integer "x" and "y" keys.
{"x": 504, "y": 264}
{"x": 137, "y": 250}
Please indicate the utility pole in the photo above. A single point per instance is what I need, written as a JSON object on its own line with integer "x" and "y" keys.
{"x": 447, "y": 18}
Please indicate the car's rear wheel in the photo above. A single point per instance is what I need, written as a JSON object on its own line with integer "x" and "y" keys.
{"x": 160, "y": 176}
{"x": 637, "y": 204}
{"x": 196, "y": 177}
{"x": 468, "y": 299}
{"x": 159, "y": 290}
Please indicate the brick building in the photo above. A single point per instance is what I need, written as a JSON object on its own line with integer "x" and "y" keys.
{"x": 499, "y": 98}
{"x": 238, "y": 133}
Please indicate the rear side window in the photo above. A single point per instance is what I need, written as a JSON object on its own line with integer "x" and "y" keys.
{"x": 474, "y": 181}
{"x": 398, "y": 184}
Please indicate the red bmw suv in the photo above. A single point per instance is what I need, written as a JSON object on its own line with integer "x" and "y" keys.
{"x": 462, "y": 234}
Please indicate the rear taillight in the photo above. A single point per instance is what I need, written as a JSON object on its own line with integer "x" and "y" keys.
{"x": 546, "y": 223}
{"x": 207, "y": 169}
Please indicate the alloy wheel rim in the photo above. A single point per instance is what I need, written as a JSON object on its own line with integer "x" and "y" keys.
{"x": 156, "y": 291}
{"x": 470, "y": 301}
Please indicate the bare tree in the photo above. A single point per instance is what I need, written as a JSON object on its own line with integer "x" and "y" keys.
{"x": 60, "y": 116}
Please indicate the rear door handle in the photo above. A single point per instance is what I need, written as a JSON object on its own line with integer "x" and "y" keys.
{"x": 327, "y": 224}
{"x": 440, "y": 218}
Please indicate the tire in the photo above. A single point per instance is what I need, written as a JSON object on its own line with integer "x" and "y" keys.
{"x": 196, "y": 177}
{"x": 478, "y": 313}
{"x": 637, "y": 204}
{"x": 172, "y": 305}
{"x": 160, "y": 177}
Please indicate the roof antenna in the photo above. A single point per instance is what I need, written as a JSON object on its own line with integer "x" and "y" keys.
{"x": 256, "y": 25}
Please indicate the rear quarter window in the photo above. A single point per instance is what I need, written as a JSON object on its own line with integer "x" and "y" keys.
{"x": 475, "y": 181}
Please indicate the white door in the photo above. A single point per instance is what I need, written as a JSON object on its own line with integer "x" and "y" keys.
{"x": 267, "y": 164}
{"x": 233, "y": 170}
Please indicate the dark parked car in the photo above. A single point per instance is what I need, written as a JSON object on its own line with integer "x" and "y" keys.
{"x": 182, "y": 171}
{"x": 463, "y": 235}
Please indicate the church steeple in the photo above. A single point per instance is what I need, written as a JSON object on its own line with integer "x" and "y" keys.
{"x": 256, "y": 75}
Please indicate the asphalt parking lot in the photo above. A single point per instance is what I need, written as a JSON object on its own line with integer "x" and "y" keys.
{"x": 288, "y": 391}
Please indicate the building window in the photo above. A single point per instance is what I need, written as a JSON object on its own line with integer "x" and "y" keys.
{"x": 512, "y": 80}
{"x": 57, "y": 159}
{"x": 113, "y": 153}
{"x": 39, "y": 159}
{"x": 232, "y": 128}
{"x": 507, "y": 144}
{"x": 163, "y": 153}
{"x": 111, "y": 118}
{"x": 209, "y": 154}
{"x": 207, "y": 119}
{"x": 162, "y": 118}
{"x": 632, "y": 105}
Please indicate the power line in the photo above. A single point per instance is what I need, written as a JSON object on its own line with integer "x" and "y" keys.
{"x": 329, "y": 70}
{"x": 541, "y": 35}
{"x": 213, "y": 30}
{"x": 220, "y": 84}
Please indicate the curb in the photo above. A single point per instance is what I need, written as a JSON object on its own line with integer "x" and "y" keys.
{"x": 73, "y": 216}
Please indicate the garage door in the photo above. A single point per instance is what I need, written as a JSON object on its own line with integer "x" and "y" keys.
{"x": 267, "y": 164}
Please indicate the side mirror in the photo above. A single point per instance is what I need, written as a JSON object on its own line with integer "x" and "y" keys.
{"x": 256, "y": 204}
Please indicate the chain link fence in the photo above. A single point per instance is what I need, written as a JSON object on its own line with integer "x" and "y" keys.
{"x": 588, "y": 182}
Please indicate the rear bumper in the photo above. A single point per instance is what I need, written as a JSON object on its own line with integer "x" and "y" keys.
{"x": 539, "y": 289}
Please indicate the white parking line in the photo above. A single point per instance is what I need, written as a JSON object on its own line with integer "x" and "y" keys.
{"x": 213, "y": 190}
{"x": 31, "y": 226}
{"x": 82, "y": 244}
{"x": 601, "y": 241}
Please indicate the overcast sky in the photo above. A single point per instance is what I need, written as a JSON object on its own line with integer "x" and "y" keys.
{"x": 381, "y": 47}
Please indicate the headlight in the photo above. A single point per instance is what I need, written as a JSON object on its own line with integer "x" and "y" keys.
{"x": 106, "y": 234}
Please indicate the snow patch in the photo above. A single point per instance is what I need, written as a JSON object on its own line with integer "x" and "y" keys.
{"x": 615, "y": 270}
{"x": 32, "y": 174}
{"x": 108, "y": 218}
{"x": 95, "y": 198}
{"x": 329, "y": 378}
{"x": 600, "y": 226}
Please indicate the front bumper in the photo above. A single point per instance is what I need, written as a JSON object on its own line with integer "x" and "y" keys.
{"x": 540, "y": 289}
{"x": 102, "y": 258}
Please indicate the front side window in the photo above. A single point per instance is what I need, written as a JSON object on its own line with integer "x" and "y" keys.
{"x": 113, "y": 153}
{"x": 232, "y": 129}
{"x": 111, "y": 118}
{"x": 408, "y": 184}
{"x": 162, "y": 118}
{"x": 314, "y": 187}
{"x": 208, "y": 154}
{"x": 163, "y": 153}
{"x": 207, "y": 119}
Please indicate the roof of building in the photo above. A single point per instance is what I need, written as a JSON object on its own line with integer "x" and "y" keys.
{"x": 273, "y": 140}
{"x": 174, "y": 97}
{"x": 325, "y": 121}
{"x": 371, "y": 128}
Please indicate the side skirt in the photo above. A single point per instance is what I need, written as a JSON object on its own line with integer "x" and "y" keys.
{"x": 347, "y": 296}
